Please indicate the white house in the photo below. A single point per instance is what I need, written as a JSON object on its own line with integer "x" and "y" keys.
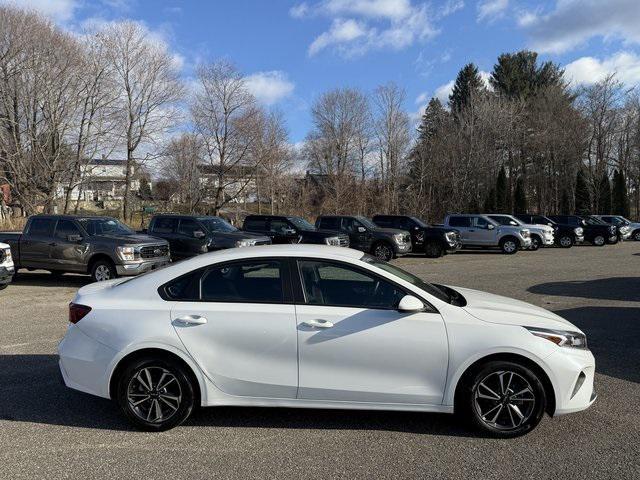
{"x": 102, "y": 180}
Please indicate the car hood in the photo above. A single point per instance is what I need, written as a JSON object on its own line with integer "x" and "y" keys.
{"x": 136, "y": 239}
{"x": 538, "y": 227}
{"x": 508, "y": 311}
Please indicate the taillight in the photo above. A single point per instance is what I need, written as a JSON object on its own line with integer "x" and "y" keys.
{"x": 77, "y": 312}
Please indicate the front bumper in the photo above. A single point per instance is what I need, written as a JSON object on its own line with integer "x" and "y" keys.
{"x": 573, "y": 372}
{"x": 6, "y": 274}
{"x": 548, "y": 240}
{"x": 579, "y": 239}
{"x": 402, "y": 248}
{"x": 136, "y": 268}
{"x": 626, "y": 235}
{"x": 453, "y": 247}
{"x": 525, "y": 243}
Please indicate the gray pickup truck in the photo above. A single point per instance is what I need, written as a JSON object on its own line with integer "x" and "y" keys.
{"x": 99, "y": 246}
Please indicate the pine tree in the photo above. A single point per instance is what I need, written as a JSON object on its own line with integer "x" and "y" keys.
{"x": 520, "y": 197}
{"x": 518, "y": 75}
{"x": 620, "y": 199}
{"x": 604, "y": 195}
{"x": 432, "y": 119}
{"x": 490, "y": 201}
{"x": 503, "y": 195}
{"x": 468, "y": 85}
{"x": 582, "y": 195}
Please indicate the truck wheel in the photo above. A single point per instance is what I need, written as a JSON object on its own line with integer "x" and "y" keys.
{"x": 636, "y": 235}
{"x": 536, "y": 242}
{"x": 509, "y": 245}
{"x": 383, "y": 251}
{"x": 433, "y": 250}
{"x": 103, "y": 270}
{"x": 566, "y": 241}
{"x": 599, "y": 241}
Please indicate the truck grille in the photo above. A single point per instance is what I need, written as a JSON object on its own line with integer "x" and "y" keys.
{"x": 154, "y": 251}
{"x": 344, "y": 240}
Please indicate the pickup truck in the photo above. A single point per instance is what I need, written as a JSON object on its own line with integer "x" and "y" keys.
{"x": 99, "y": 246}
{"x": 626, "y": 229}
{"x": 541, "y": 235}
{"x": 596, "y": 232}
{"x": 479, "y": 231}
{"x": 190, "y": 235}
{"x": 564, "y": 235}
{"x": 291, "y": 229}
{"x": 364, "y": 235}
{"x": 433, "y": 241}
{"x": 6, "y": 266}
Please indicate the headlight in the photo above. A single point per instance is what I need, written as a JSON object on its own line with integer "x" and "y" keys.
{"x": 334, "y": 241}
{"x": 525, "y": 233}
{"x": 561, "y": 338}
{"x": 399, "y": 237}
{"x": 245, "y": 243}
{"x": 450, "y": 236}
{"x": 7, "y": 255}
{"x": 578, "y": 231}
{"x": 127, "y": 253}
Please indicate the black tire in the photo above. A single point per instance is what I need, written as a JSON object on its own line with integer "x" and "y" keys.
{"x": 102, "y": 270}
{"x": 383, "y": 251}
{"x": 536, "y": 242}
{"x": 509, "y": 245}
{"x": 144, "y": 416}
{"x": 599, "y": 241}
{"x": 496, "y": 412}
{"x": 636, "y": 235}
{"x": 3, "y": 286}
{"x": 433, "y": 250}
{"x": 565, "y": 241}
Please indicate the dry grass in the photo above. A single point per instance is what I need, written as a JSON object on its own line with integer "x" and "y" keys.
{"x": 15, "y": 224}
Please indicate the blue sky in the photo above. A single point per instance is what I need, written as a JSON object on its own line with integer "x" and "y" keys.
{"x": 292, "y": 51}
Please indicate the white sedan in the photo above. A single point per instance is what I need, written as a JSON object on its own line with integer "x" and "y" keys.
{"x": 319, "y": 327}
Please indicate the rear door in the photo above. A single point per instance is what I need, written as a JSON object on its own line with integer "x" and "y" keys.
{"x": 68, "y": 254}
{"x": 35, "y": 244}
{"x": 238, "y": 322}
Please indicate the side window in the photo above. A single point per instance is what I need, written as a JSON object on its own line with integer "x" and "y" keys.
{"x": 329, "y": 223}
{"x": 350, "y": 225}
{"x": 188, "y": 226}
{"x": 164, "y": 225}
{"x": 64, "y": 228}
{"x": 279, "y": 226}
{"x": 480, "y": 222}
{"x": 255, "y": 224}
{"x": 340, "y": 285}
{"x": 185, "y": 288}
{"x": 258, "y": 281}
{"x": 41, "y": 226}
{"x": 459, "y": 221}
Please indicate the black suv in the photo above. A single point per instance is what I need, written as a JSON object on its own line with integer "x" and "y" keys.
{"x": 564, "y": 235}
{"x": 190, "y": 235}
{"x": 433, "y": 241}
{"x": 595, "y": 232}
{"x": 364, "y": 235}
{"x": 289, "y": 229}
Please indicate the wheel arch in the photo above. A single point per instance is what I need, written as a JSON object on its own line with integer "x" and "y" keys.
{"x": 121, "y": 364}
{"x": 469, "y": 370}
{"x": 96, "y": 257}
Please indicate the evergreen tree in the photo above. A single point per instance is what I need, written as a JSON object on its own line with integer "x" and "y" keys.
{"x": 490, "y": 201}
{"x": 565, "y": 207}
{"x": 604, "y": 196}
{"x": 518, "y": 75}
{"x": 582, "y": 195}
{"x": 502, "y": 195}
{"x": 468, "y": 85}
{"x": 520, "y": 197}
{"x": 431, "y": 120}
{"x": 620, "y": 199}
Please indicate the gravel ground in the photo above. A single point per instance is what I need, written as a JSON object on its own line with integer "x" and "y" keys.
{"x": 47, "y": 430}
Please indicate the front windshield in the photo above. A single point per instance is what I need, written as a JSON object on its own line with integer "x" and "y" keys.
{"x": 504, "y": 220}
{"x": 408, "y": 277}
{"x": 366, "y": 223}
{"x": 594, "y": 221}
{"x": 105, "y": 226}
{"x": 217, "y": 224}
{"x": 301, "y": 224}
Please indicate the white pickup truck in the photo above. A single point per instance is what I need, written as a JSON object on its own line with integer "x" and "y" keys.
{"x": 541, "y": 235}
{"x": 6, "y": 266}
{"x": 479, "y": 231}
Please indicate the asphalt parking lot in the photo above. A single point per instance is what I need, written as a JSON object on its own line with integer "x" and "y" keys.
{"x": 47, "y": 430}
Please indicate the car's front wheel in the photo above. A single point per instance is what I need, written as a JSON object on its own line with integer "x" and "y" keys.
{"x": 383, "y": 251}
{"x": 566, "y": 241}
{"x": 433, "y": 250}
{"x": 599, "y": 241}
{"x": 103, "y": 270}
{"x": 504, "y": 399}
{"x": 509, "y": 245}
{"x": 536, "y": 242}
{"x": 155, "y": 394}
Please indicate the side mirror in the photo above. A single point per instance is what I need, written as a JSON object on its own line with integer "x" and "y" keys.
{"x": 289, "y": 231}
{"x": 199, "y": 234}
{"x": 74, "y": 238}
{"x": 409, "y": 303}
{"x": 361, "y": 229}
{"x": 490, "y": 226}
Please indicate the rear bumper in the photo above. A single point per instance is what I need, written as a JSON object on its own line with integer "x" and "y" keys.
{"x": 130, "y": 269}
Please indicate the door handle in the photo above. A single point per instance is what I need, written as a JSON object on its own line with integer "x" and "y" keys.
{"x": 318, "y": 323}
{"x": 187, "y": 320}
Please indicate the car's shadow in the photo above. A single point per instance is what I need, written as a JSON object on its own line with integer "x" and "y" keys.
{"x": 46, "y": 279}
{"x": 33, "y": 392}
{"x": 614, "y": 288}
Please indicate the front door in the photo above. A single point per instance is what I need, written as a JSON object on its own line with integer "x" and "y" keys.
{"x": 186, "y": 242}
{"x": 235, "y": 321}
{"x": 355, "y": 346}
{"x": 68, "y": 254}
{"x": 359, "y": 236}
{"x": 479, "y": 233}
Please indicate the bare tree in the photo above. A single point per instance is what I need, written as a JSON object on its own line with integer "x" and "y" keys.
{"x": 181, "y": 166}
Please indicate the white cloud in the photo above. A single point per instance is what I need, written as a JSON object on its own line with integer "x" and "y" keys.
{"x": 269, "y": 87}
{"x": 443, "y": 91}
{"x": 589, "y": 70}
{"x": 450, "y": 7}
{"x": 490, "y": 10}
{"x": 422, "y": 98}
{"x": 574, "y": 22}
{"x": 57, "y": 10}
{"x": 358, "y": 26}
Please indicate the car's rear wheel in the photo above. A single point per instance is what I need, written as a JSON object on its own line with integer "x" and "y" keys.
{"x": 433, "y": 250}
{"x": 566, "y": 241}
{"x": 383, "y": 251}
{"x": 103, "y": 270}
{"x": 504, "y": 399}
{"x": 155, "y": 394}
{"x": 599, "y": 241}
{"x": 509, "y": 245}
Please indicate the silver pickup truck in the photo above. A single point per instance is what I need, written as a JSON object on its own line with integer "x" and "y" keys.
{"x": 479, "y": 231}
{"x": 99, "y": 246}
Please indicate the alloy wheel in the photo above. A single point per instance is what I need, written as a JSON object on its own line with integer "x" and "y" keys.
{"x": 565, "y": 241}
{"x": 383, "y": 252}
{"x": 535, "y": 243}
{"x": 510, "y": 246}
{"x": 102, "y": 273}
{"x": 504, "y": 400}
{"x": 154, "y": 394}
{"x": 637, "y": 236}
{"x": 599, "y": 241}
